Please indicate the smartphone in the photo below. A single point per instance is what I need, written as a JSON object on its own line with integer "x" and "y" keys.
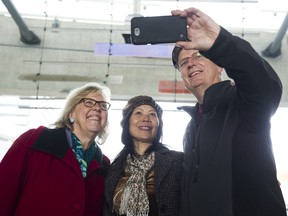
{"x": 158, "y": 29}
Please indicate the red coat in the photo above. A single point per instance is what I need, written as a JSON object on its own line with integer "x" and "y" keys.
{"x": 39, "y": 175}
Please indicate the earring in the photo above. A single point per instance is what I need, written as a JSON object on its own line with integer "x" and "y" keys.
{"x": 71, "y": 120}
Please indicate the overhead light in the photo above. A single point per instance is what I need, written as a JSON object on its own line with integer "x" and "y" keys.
{"x": 111, "y": 79}
{"x": 150, "y": 51}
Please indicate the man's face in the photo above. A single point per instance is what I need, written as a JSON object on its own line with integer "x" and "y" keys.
{"x": 197, "y": 72}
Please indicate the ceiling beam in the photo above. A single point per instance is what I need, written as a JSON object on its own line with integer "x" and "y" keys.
{"x": 27, "y": 36}
{"x": 274, "y": 48}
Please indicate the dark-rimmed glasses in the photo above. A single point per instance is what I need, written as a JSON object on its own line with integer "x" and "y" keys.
{"x": 89, "y": 102}
{"x": 184, "y": 62}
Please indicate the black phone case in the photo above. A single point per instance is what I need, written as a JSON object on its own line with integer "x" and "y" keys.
{"x": 158, "y": 29}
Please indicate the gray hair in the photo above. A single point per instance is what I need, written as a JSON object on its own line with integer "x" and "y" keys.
{"x": 73, "y": 99}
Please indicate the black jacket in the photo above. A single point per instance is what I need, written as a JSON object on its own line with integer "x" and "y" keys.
{"x": 229, "y": 167}
{"x": 168, "y": 170}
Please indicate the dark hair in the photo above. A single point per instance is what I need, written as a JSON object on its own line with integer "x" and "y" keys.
{"x": 175, "y": 55}
{"x": 126, "y": 113}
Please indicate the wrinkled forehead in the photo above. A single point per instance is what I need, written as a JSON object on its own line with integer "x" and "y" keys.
{"x": 186, "y": 53}
{"x": 96, "y": 95}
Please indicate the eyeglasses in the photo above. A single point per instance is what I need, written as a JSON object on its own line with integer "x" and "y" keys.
{"x": 184, "y": 62}
{"x": 88, "y": 102}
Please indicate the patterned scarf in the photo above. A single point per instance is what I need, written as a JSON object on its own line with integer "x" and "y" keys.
{"x": 134, "y": 201}
{"x": 83, "y": 157}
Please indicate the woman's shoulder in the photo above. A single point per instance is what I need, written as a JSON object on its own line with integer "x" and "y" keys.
{"x": 30, "y": 135}
{"x": 177, "y": 154}
{"x": 172, "y": 153}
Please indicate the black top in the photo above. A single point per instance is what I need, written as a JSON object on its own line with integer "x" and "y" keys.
{"x": 229, "y": 164}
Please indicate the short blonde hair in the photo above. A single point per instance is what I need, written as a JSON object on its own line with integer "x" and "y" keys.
{"x": 73, "y": 99}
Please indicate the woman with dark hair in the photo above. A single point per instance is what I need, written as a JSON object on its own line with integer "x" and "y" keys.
{"x": 145, "y": 178}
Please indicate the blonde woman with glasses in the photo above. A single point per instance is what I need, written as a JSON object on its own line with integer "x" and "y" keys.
{"x": 60, "y": 171}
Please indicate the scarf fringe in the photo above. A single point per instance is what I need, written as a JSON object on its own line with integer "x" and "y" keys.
{"x": 124, "y": 200}
{"x": 134, "y": 200}
{"x": 137, "y": 214}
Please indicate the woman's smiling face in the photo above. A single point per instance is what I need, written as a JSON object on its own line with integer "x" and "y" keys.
{"x": 143, "y": 124}
{"x": 89, "y": 120}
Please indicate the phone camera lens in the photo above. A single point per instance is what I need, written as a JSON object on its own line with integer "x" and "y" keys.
{"x": 136, "y": 31}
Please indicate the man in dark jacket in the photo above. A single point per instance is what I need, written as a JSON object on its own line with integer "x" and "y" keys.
{"x": 229, "y": 167}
